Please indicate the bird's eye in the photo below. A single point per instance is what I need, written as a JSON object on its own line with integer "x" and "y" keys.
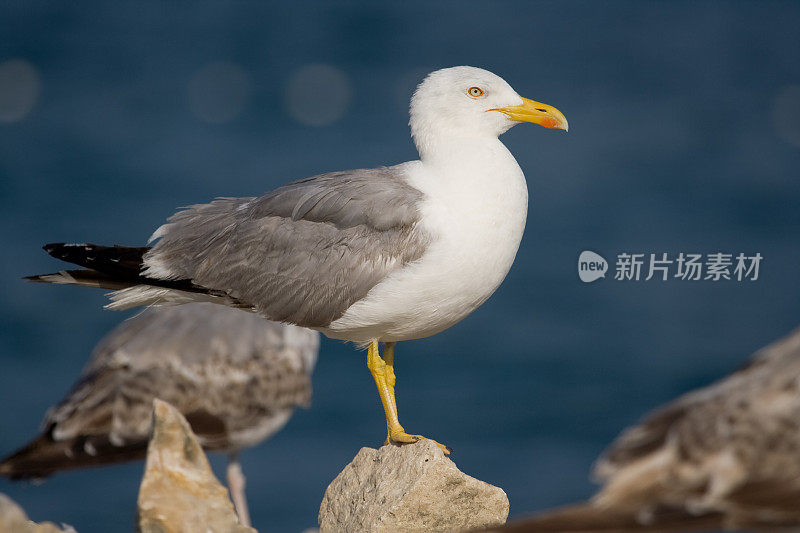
{"x": 475, "y": 92}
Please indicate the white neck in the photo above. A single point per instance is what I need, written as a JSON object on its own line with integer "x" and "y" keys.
{"x": 435, "y": 141}
{"x": 470, "y": 161}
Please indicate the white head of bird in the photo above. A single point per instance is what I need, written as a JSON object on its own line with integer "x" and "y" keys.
{"x": 468, "y": 102}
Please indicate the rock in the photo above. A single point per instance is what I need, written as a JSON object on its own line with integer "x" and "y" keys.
{"x": 410, "y": 488}
{"x": 179, "y": 492}
{"x": 14, "y": 520}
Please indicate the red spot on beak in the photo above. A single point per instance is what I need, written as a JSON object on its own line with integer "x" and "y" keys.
{"x": 549, "y": 123}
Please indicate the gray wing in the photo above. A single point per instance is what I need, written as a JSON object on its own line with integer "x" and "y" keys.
{"x": 231, "y": 373}
{"x": 733, "y": 446}
{"x": 303, "y": 253}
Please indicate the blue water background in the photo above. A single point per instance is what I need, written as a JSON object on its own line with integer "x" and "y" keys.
{"x": 673, "y": 147}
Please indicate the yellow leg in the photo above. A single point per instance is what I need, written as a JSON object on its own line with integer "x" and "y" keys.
{"x": 383, "y": 372}
{"x": 388, "y": 358}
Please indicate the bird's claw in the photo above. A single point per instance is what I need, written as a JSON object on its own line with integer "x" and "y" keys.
{"x": 401, "y": 437}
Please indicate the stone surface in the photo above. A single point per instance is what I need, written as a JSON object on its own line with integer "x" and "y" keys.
{"x": 14, "y": 520}
{"x": 179, "y": 492}
{"x": 411, "y": 488}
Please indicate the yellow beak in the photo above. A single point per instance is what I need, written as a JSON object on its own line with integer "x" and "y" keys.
{"x": 536, "y": 112}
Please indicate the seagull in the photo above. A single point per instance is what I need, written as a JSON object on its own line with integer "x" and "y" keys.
{"x": 368, "y": 256}
{"x": 725, "y": 456}
{"x": 731, "y": 448}
{"x": 235, "y": 376}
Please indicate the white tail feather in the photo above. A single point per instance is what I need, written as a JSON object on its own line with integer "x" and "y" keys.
{"x": 140, "y": 295}
{"x": 62, "y": 278}
{"x": 65, "y": 278}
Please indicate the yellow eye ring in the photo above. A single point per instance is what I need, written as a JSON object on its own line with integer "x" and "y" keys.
{"x": 475, "y": 92}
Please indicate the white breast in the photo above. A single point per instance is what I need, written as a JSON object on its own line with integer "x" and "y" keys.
{"x": 475, "y": 210}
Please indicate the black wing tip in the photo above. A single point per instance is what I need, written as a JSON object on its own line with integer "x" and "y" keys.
{"x": 13, "y": 475}
{"x": 53, "y": 246}
{"x": 56, "y": 249}
{"x": 9, "y": 467}
{"x": 11, "y": 472}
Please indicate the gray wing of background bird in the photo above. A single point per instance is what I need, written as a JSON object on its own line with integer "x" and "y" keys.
{"x": 732, "y": 447}
{"x": 235, "y": 376}
{"x": 303, "y": 253}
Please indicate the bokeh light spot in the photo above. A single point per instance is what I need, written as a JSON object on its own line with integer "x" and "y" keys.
{"x": 218, "y": 92}
{"x": 786, "y": 114}
{"x": 20, "y": 86}
{"x": 318, "y": 95}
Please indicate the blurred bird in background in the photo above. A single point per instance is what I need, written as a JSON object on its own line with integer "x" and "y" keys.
{"x": 235, "y": 376}
{"x": 723, "y": 456}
